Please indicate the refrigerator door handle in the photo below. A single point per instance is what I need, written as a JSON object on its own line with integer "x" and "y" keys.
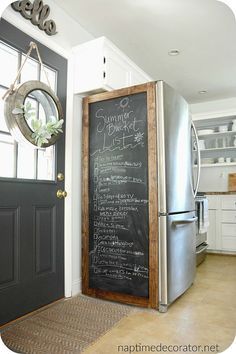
{"x": 185, "y": 221}
{"x": 198, "y": 160}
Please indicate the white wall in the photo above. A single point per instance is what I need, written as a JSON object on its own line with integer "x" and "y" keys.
{"x": 214, "y": 108}
{"x": 214, "y": 179}
{"x": 70, "y": 33}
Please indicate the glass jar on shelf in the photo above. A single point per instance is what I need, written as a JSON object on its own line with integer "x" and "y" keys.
{"x": 221, "y": 142}
{"x": 234, "y": 142}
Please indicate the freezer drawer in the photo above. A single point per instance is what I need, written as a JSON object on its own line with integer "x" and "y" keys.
{"x": 177, "y": 255}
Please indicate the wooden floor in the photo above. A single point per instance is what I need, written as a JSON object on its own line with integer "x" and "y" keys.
{"x": 204, "y": 315}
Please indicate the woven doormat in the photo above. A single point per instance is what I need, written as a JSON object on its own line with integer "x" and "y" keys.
{"x": 67, "y": 327}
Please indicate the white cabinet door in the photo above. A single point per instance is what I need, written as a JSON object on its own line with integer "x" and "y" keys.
{"x": 116, "y": 73}
{"x": 211, "y": 233}
{"x": 228, "y": 223}
{"x": 228, "y": 216}
{"x": 221, "y": 235}
{"x": 88, "y": 67}
{"x": 100, "y": 66}
{"x": 228, "y": 237}
{"x": 228, "y": 202}
{"x": 213, "y": 202}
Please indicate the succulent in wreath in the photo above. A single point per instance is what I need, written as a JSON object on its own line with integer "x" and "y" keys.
{"x": 42, "y": 133}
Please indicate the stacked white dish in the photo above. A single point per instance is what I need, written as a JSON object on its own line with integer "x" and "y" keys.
{"x": 207, "y": 161}
{"x": 221, "y": 159}
{"x": 205, "y": 131}
{"x": 223, "y": 128}
{"x": 201, "y": 144}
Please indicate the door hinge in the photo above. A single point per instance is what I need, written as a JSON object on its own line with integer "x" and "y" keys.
{"x": 104, "y": 74}
{"x": 104, "y": 60}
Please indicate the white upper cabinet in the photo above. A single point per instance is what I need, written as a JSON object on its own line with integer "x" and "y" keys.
{"x": 100, "y": 66}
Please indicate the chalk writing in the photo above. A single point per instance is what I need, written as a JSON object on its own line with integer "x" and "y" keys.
{"x": 118, "y": 247}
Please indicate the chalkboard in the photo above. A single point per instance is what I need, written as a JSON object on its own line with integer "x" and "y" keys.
{"x": 118, "y": 195}
{"x": 119, "y": 211}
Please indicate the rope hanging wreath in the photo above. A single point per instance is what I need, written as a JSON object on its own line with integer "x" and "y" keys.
{"x": 33, "y": 112}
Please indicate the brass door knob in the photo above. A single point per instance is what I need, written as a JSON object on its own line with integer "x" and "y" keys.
{"x": 61, "y": 194}
{"x": 60, "y": 177}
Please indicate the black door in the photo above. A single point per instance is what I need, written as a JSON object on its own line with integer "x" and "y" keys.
{"x": 31, "y": 216}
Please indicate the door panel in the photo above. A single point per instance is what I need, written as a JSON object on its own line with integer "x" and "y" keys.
{"x": 36, "y": 227}
{"x": 31, "y": 216}
{"x": 45, "y": 225}
{"x": 9, "y": 222}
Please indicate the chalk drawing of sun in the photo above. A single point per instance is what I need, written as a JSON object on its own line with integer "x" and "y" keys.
{"x": 138, "y": 137}
{"x": 123, "y": 103}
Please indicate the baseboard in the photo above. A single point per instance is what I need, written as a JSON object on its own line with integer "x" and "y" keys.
{"x": 76, "y": 287}
{"x": 221, "y": 253}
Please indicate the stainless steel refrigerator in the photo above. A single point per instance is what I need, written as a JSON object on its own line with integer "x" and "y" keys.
{"x": 177, "y": 220}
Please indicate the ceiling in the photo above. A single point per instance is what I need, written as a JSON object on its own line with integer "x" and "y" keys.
{"x": 204, "y": 31}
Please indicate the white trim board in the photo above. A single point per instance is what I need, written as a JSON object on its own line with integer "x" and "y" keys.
{"x": 76, "y": 287}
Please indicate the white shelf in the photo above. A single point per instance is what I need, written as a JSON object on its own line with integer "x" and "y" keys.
{"x": 228, "y": 148}
{"x": 217, "y": 164}
{"x": 215, "y": 141}
{"x": 217, "y": 134}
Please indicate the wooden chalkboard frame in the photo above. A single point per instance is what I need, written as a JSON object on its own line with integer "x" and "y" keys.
{"x": 152, "y": 300}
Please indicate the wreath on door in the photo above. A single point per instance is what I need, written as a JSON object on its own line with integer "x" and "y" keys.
{"x": 33, "y": 112}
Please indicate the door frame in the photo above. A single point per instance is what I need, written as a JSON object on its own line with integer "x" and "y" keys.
{"x": 152, "y": 220}
{"x": 69, "y": 141}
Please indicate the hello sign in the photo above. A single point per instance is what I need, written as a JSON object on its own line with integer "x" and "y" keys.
{"x": 37, "y": 13}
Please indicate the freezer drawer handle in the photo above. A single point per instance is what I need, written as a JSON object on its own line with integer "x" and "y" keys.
{"x": 185, "y": 221}
{"x": 202, "y": 249}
